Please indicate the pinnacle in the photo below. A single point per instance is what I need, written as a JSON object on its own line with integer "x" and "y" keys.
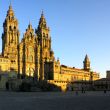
{"x": 10, "y": 11}
{"x": 86, "y": 58}
{"x": 42, "y": 21}
{"x": 42, "y": 14}
{"x": 10, "y": 7}
{"x": 30, "y": 25}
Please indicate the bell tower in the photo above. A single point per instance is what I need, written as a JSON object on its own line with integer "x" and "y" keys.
{"x": 44, "y": 40}
{"x": 10, "y": 38}
{"x": 43, "y": 33}
{"x": 86, "y": 63}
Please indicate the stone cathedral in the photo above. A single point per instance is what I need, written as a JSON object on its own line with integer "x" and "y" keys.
{"x": 33, "y": 55}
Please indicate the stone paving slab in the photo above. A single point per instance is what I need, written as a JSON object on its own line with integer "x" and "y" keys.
{"x": 54, "y": 101}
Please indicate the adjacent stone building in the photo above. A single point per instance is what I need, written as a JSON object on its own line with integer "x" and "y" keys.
{"x": 33, "y": 55}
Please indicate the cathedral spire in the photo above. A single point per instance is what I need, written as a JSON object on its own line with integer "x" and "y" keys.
{"x": 87, "y": 58}
{"x": 86, "y": 63}
{"x": 42, "y": 14}
{"x": 30, "y": 25}
{"x": 42, "y": 22}
{"x": 29, "y": 34}
{"x": 10, "y": 7}
{"x": 10, "y": 12}
{"x": 10, "y": 37}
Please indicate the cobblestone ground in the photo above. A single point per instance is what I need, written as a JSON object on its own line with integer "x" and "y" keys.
{"x": 54, "y": 101}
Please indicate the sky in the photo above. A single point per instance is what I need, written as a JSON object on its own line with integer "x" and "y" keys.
{"x": 78, "y": 27}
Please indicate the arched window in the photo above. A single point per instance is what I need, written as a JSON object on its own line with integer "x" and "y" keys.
{"x": 43, "y": 34}
{"x": 14, "y": 27}
{"x": 10, "y": 28}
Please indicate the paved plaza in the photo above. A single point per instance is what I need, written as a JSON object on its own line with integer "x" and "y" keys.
{"x": 54, "y": 101}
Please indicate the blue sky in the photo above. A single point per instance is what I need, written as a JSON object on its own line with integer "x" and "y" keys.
{"x": 78, "y": 27}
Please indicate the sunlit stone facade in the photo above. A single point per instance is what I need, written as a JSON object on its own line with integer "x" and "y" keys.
{"x": 33, "y": 55}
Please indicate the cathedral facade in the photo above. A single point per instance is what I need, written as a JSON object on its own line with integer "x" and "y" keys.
{"x": 33, "y": 55}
